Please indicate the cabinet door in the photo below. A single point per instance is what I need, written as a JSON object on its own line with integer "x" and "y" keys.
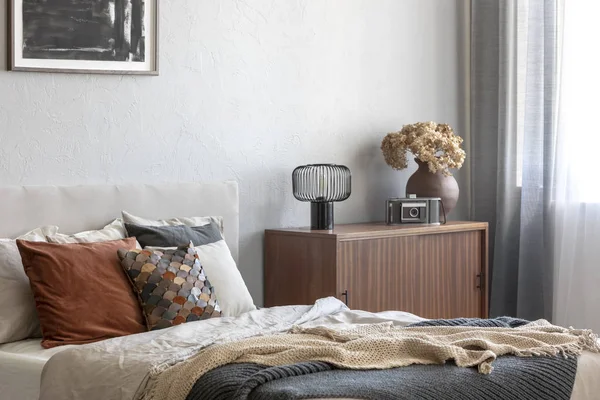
{"x": 433, "y": 276}
{"x": 298, "y": 269}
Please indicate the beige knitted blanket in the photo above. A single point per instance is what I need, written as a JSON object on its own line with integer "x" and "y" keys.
{"x": 378, "y": 346}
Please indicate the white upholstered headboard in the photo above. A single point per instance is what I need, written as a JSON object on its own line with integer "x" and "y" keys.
{"x": 85, "y": 207}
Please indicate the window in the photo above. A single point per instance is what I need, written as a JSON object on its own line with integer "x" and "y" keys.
{"x": 578, "y": 146}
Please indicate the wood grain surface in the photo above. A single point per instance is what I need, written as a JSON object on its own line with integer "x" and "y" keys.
{"x": 431, "y": 271}
{"x": 380, "y": 229}
{"x": 433, "y": 276}
{"x": 298, "y": 270}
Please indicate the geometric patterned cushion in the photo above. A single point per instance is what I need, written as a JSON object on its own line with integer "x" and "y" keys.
{"x": 171, "y": 284}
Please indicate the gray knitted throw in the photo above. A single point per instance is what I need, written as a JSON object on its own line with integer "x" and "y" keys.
{"x": 531, "y": 378}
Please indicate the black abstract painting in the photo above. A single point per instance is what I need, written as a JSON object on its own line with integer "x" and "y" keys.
{"x": 102, "y": 30}
{"x": 82, "y": 31}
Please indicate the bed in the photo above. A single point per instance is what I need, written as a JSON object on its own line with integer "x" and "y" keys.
{"x": 121, "y": 368}
{"x": 80, "y": 208}
{"x": 21, "y": 365}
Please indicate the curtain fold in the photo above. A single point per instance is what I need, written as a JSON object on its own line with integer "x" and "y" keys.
{"x": 513, "y": 136}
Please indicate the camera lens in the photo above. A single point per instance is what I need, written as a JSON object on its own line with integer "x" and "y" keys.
{"x": 414, "y": 212}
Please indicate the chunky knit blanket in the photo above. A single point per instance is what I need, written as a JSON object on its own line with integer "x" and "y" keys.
{"x": 514, "y": 378}
{"x": 379, "y": 347}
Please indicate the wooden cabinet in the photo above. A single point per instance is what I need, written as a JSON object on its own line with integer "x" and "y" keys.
{"x": 432, "y": 271}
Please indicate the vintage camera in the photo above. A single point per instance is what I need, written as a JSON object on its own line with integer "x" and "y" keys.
{"x": 413, "y": 210}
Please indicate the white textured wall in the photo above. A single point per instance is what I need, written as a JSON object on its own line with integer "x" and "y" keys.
{"x": 247, "y": 90}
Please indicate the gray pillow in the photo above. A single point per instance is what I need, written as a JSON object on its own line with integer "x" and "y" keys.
{"x": 175, "y": 235}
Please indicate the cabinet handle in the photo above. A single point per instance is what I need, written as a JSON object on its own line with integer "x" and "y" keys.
{"x": 345, "y": 294}
{"x": 479, "y": 279}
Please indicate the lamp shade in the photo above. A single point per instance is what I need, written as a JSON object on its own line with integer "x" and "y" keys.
{"x": 321, "y": 184}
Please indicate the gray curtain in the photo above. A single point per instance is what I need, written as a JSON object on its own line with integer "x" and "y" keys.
{"x": 512, "y": 136}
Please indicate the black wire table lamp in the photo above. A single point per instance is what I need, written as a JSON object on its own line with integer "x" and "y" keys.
{"x": 321, "y": 184}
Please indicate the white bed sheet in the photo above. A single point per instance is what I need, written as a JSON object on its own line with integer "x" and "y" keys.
{"x": 121, "y": 366}
{"x": 121, "y": 363}
{"x": 21, "y": 365}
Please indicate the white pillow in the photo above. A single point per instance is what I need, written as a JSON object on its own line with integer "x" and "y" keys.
{"x": 232, "y": 294}
{"x": 18, "y": 315}
{"x": 189, "y": 221}
{"x": 113, "y": 231}
{"x": 230, "y": 288}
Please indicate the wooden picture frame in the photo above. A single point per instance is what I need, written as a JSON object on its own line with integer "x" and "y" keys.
{"x": 84, "y": 38}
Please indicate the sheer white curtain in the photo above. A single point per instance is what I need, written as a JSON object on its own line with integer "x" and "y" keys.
{"x": 576, "y": 205}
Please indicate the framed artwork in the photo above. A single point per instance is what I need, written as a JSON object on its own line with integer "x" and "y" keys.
{"x": 84, "y": 36}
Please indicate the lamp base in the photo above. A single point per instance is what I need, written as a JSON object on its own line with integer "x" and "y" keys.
{"x": 321, "y": 216}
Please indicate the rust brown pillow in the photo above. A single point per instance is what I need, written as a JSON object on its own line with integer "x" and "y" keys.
{"x": 81, "y": 292}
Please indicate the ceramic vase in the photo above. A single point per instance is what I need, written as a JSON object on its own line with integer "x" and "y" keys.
{"x": 426, "y": 184}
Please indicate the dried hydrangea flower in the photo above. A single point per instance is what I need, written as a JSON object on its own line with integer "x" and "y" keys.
{"x": 435, "y": 144}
